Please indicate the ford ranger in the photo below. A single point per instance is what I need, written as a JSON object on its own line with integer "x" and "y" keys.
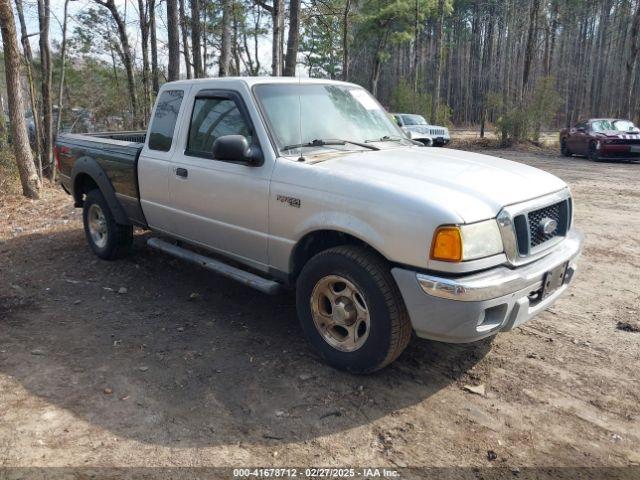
{"x": 278, "y": 183}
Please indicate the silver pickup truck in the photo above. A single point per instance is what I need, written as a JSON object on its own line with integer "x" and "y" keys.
{"x": 309, "y": 184}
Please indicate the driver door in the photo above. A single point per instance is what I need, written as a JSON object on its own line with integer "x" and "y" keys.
{"x": 220, "y": 204}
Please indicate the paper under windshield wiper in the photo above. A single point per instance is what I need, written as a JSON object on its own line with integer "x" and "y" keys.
{"x": 386, "y": 138}
{"x": 329, "y": 142}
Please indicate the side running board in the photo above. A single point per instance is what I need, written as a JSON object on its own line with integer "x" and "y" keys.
{"x": 250, "y": 279}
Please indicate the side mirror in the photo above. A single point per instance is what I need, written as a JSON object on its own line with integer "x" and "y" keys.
{"x": 235, "y": 148}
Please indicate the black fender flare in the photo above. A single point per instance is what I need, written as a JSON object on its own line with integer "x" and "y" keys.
{"x": 89, "y": 166}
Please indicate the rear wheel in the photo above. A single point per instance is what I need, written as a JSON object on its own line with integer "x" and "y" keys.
{"x": 351, "y": 310}
{"x": 108, "y": 239}
{"x": 564, "y": 149}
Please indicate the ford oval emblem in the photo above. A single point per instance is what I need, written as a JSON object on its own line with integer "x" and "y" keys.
{"x": 548, "y": 226}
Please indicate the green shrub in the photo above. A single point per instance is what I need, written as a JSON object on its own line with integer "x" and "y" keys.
{"x": 524, "y": 121}
{"x": 405, "y": 100}
{"x": 9, "y": 179}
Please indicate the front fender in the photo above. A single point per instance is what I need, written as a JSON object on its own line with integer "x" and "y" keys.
{"x": 344, "y": 223}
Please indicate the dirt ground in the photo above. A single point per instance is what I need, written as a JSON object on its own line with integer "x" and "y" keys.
{"x": 150, "y": 361}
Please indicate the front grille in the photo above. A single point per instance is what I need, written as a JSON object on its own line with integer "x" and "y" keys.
{"x": 436, "y": 131}
{"x": 623, "y": 141}
{"x": 536, "y": 235}
{"x": 530, "y": 233}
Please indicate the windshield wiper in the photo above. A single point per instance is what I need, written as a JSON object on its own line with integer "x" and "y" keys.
{"x": 329, "y": 142}
{"x": 386, "y": 138}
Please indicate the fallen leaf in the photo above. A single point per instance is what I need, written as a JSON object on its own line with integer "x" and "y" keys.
{"x": 477, "y": 389}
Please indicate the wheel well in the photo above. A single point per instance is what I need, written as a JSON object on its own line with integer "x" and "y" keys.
{"x": 82, "y": 185}
{"x": 318, "y": 241}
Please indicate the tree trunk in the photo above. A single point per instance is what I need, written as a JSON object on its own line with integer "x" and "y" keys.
{"x": 236, "y": 45}
{"x": 146, "y": 71}
{"x": 173, "y": 24}
{"x": 185, "y": 39}
{"x": 416, "y": 47}
{"x": 127, "y": 56}
{"x": 277, "y": 15}
{"x": 631, "y": 61}
{"x": 44, "y": 17}
{"x": 20, "y": 139}
{"x": 35, "y": 109}
{"x": 528, "y": 53}
{"x": 204, "y": 41}
{"x": 293, "y": 41}
{"x": 225, "y": 51}
{"x": 437, "y": 76}
{"x": 377, "y": 60}
{"x": 63, "y": 57}
{"x": 155, "y": 72}
{"x": 345, "y": 40}
{"x": 195, "y": 38}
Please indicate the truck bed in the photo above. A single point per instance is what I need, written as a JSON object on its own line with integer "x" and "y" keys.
{"x": 115, "y": 153}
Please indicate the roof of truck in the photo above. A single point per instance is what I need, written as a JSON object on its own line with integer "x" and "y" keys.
{"x": 250, "y": 81}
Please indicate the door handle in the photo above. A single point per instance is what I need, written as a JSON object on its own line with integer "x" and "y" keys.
{"x": 182, "y": 172}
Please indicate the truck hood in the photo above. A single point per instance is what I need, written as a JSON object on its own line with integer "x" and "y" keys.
{"x": 474, "y": 186}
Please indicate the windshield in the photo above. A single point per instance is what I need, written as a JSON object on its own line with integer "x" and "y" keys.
{"x": 299, "y": 114}
{"x": 414, "y": 120}
{"x": 611, "y": 125}
{"x": 624, "y": 126}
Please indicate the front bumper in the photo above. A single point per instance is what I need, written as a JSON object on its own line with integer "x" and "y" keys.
{"x": 615, "y": 151}
{"x": 472, "y": 307}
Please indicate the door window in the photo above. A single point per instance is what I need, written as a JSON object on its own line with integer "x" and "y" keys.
{"x": 164, "y": 120}
{"x": 213, "y": 118}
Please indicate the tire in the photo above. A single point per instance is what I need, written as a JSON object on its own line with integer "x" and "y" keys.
{"x": 593, "y": 152}
{"x": 426, "y": 142}
{"x": 108, "y": 239}
{"x": 564, "y": 149}
{"x": 371, "y": 292}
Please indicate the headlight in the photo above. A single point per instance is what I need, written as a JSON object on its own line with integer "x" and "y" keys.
{"x": 466, "y": 242}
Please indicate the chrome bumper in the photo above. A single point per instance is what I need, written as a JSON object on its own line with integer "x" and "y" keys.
{"x": 502, "y": 280}
{"x": 471, "y": 307}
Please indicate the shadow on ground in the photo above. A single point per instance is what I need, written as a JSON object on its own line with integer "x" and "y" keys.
{"x": 186, "y": 358}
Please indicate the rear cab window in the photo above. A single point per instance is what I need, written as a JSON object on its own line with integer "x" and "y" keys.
{"x": 164, "y": 120}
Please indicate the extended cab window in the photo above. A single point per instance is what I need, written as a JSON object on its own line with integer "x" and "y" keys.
{"x": 213, "y": 118}
{"x": 164, "y": 120}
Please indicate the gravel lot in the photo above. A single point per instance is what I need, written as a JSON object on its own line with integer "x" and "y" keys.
{"x": 150, "y": 361}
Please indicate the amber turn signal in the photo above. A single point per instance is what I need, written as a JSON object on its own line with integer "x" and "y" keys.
{"x": 447, "y": 245}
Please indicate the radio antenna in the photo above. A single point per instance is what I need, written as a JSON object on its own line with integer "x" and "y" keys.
{"x": 300, "y": 158}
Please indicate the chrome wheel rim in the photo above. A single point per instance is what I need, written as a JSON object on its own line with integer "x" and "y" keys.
{"x": 97, "y": 225}
{"x": 340, "y": 313}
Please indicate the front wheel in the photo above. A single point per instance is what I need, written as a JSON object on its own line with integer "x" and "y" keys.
{"x": 351, "y": 310}
{"x": 593, "y": 155}
{"x": 108, "y": 240}
{"x": 564, "y": 149}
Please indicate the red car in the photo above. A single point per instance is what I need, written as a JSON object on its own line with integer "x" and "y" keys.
{"x": 601, "y": 139}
